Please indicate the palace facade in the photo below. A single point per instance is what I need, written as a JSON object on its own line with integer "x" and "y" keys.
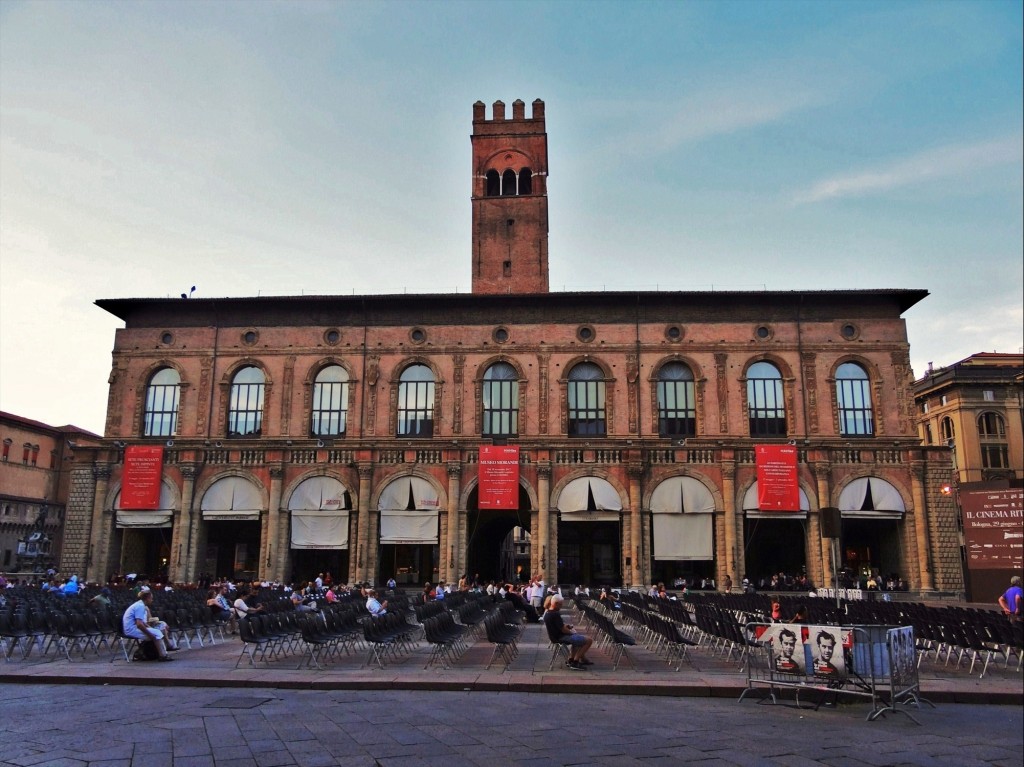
{"x": 343, "y": 433}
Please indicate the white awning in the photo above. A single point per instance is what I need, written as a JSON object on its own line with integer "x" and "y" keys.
{"x": 589, "y": 499}
{"x": 143, "y": 519}
{"x": 408, "y": 511}
{"x": 160, "y": 517}
{"x": 232, "y": 498}
{"x": 320, "y": 494}
{"x": 682, "y": 511}
{"x": 405, "y": 492}
{"x": 682, "y": 494}
{"x": 408, "y": 526}
{"x": 752, "y": 512}
{"x": 319, "y": 529}
{"x": 871, "y": 498}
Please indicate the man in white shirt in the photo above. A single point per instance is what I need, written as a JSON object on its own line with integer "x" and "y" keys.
{"x": 537, "y": 596}
{"x": 138, "y": 623}
{"x": 373, "y": 605}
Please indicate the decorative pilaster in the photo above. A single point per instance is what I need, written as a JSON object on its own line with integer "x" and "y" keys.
{"x": 270, "y": 559}
{"x": 543, "y": 523}
{"x": 180, "y": 552}
{"x": 727, "y": 564}
{"x": 819, "y": 558}
{"x": 99, "y": 534}
{"x": 543, "y": 361}
{"x": 361, "y": 552}
{"x": 458, "y": 373}
{"x": 808, "y": 362}
{"x": 632, "y": 390}
{"x": 721, "y": 373}
{"x": 635, "y": 471}
{"x": 920, "y": 522}
{"x": 452, "y": 556}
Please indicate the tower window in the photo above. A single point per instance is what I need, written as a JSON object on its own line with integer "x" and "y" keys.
{"x": 526, "y": 181}
{"x": 508, "y": 183}
{"x": 493, "y": 183}
{"x": 507, "y": 268}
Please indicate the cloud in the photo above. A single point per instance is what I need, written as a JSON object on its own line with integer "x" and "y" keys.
{"x": 952, "y": 160}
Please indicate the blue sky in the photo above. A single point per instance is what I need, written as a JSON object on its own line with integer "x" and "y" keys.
{"x": 284, "y": 148}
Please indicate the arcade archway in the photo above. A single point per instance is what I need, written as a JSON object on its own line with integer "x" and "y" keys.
{"x": 498, "y": 541}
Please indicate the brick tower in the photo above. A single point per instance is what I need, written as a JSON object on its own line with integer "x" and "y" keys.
{"x": 510, "y": 202}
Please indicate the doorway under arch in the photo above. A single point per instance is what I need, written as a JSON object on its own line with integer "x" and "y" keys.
{"x": 498, "y": 541}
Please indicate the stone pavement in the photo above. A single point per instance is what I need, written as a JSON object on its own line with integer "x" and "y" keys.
{"x": 46, "y": 725}
{"x": 199, "y": 711}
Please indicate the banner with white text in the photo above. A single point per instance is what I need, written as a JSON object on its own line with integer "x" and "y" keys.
{"x": 140, "y": 483}
{"x": 499, "y": 477}
{"x": 777, "y": 485}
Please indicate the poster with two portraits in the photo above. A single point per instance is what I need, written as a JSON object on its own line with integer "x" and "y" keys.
{"x": 809, "y": 651}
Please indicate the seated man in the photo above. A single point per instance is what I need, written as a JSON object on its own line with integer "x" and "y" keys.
{"x": 561, "y": 633}
{"x": 137, "y": 622}
{"x": 375, "y": 607}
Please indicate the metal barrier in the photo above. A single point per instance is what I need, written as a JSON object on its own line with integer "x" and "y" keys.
{"x": 873, "y": 662}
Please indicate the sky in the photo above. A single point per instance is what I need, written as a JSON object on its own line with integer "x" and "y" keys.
{"x": 288, "y": 148}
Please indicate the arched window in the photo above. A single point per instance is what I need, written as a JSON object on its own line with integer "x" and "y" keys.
{"x": 162, "y": 394}
{"x": 416, "y": 402}
{"x": 500, "y": 396}
{"x": 245, "y": 412}
{"x": 677, "y": 414}
{"x": 948, "y": 430}
{"x": 330, "y": 402}
{"x": 508, "y": 183}
{"x": 853, "y": 393}
{"x": 493, "y": 183}
{"x": 766, "y": 407}
{"x": 586, "y": 398}
{"x": 992, "y": 434}
{"x": 526, "y": 181}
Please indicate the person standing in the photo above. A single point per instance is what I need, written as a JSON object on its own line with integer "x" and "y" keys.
{"x": 1012, "y": 600}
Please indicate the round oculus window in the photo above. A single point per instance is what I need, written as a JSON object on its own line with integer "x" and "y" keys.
{"x": 250, "y": 337}
{"x": 167, "y": 339}
{"x": 849, "y": 332}
{"x": 674, "y": 333}
{"x": 500, "y": 335}
{"x": 332, "y": 336}
{"x": 763, "y": 332}
{"x": 585, "y": 333}
{"x": 418, "y": 335}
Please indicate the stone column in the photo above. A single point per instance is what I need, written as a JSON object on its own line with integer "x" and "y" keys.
{"x": 452, "y": 557}
{"x": 270, "y": 543}
{"x": 728, "y": 565}
{"x": 635, "y": 471}
{"x": 196, "y": 559}
{"x": 820, "y": 551}
{"x": 543, "y": 544}
{"x": 362, "y": 551}
{"x": 99, "y": 535}
{"x": 180, "y": 550}
{"x": 920, "y": 522}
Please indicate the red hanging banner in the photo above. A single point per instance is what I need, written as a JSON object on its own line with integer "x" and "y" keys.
{"x": 777, "y": 485}
{"x": 499, "y": 477}
{"x": 140, "y": 483}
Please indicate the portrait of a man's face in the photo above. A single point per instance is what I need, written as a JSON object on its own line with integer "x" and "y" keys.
{"x": 826, "y": 646}
{"x": 788, "y": 641}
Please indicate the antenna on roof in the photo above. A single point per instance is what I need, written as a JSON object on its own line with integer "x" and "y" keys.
{"x": 189, "y": 294}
